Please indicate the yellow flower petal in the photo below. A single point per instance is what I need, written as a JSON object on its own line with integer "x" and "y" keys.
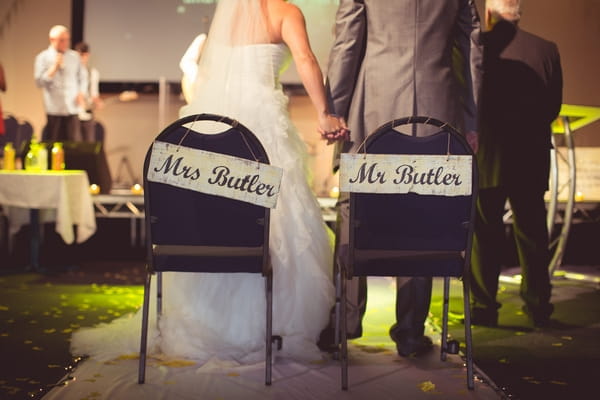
{"x": 177, "y": 363}
{"x": 132, "y": 356}
{"x": 427, "y": 386}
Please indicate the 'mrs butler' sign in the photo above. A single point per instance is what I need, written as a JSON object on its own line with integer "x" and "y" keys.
{"x": 214, "y": 173}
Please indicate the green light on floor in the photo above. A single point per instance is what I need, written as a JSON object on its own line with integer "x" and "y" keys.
{"x": 380, "y": 314}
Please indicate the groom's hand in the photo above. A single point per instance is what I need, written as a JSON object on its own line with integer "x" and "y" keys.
{"x": 333, "y": 128}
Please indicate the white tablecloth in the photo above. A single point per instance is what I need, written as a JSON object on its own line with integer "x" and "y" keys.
{"x": 64, "y": 192}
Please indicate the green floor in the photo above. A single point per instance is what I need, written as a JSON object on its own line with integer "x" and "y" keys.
{"x": 38, "y": 314}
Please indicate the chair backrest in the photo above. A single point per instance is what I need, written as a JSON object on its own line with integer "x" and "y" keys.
{"x": 177, "y": 216}
{"x": 412, "y": 222}
{"x": 98, "y": 132}
{"x": 11, "y": 126}
{"x": 23, "y": 138}
{"x": 18, "y": 133}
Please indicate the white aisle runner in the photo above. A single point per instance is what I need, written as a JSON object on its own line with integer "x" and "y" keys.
{"x": 375, "y": 372}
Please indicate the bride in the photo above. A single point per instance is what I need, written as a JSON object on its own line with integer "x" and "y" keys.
{"x": 222, "y": 315}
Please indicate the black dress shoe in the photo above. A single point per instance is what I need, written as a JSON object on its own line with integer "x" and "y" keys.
{"x": 414, "y": 348}
{"x": 539, "y": 317}
{"x": 326, "y": 340}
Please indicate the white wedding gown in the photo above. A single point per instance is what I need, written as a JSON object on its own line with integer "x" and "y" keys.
{"x": 222, "y": 316}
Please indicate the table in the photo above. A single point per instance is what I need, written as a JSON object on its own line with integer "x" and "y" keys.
{"x": 64, "y": 192}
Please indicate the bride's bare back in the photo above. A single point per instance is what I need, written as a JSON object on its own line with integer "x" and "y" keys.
{"x": 286, "y": 24}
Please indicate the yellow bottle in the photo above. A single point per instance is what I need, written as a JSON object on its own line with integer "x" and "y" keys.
{"x": 58, "y": 157}
{"x": 9, "y": 156}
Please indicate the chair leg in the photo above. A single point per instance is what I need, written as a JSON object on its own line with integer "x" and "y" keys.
{"x": 338, "y": 302}
{"x": 269, "y": 333}
{"x": 344, "y": 331}
{"x": 144, "y": 337}
{"x": 468, "y": 337}
{"x": 446, "y": 297}
{"x": 159, "y": 295}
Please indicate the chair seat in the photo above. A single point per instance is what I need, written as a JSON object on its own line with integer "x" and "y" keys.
{"x": 408, "y": 263}
{"x": 211, "y": 259}
{"x": 206, "y": 251}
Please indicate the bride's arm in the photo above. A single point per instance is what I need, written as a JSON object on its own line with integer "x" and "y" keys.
{"x": 293, "y": 33}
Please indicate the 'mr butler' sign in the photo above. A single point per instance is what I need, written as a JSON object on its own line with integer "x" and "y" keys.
{"x": 213, "y": 173}
{"x": 441, "y": 175}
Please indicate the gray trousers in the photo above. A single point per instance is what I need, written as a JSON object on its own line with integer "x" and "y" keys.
{"x": 413, "y": 294}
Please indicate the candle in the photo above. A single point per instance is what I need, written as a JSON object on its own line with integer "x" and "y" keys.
{"x": 137, "y": 189}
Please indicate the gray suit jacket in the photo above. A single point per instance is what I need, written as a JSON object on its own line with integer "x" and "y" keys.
{"x": 397, "y": 58}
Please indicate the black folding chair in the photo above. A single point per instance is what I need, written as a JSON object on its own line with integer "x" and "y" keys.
{"x": 190, "y": 231}
{"x": 19, "y": 133}
{"x": 410, "y": 234}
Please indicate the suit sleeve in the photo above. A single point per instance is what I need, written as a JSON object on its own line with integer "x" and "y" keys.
{"x": 470, "y": 48}
{"x": 346, "y": 55}
{"x": 555, "y": 86}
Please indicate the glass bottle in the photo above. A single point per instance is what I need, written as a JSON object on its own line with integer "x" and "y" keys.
{"x": 42, "y": 157}
{"x": 9, "y": 156}
{"x": 31, "y": 159}
{"x": 58, "y": 157}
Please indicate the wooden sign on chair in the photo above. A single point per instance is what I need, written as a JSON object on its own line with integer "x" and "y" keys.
{"x": 441, "y": 175}
{"x": 213, "y": 173}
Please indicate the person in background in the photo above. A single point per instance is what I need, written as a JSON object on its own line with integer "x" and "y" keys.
{"x": 63, "y": 79}
{"x": 92, "y": 95}
{"x": 521, "y": 96}
{"x": 189, "y": 65}
{"x": 394, "y": 59}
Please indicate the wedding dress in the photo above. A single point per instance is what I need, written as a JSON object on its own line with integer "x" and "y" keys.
{"x": 223, "y": 315}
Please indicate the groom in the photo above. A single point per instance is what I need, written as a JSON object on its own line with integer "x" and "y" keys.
{"x": 393, "y": 59}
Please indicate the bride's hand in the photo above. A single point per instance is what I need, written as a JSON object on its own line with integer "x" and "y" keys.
{"x": 333, "y": 128}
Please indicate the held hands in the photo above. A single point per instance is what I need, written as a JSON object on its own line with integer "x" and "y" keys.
{"x": 333, "y": 128}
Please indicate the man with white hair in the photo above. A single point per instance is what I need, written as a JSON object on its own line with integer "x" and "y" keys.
{"x": 58, "y": 71}
{"x": 521, "y": 96}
